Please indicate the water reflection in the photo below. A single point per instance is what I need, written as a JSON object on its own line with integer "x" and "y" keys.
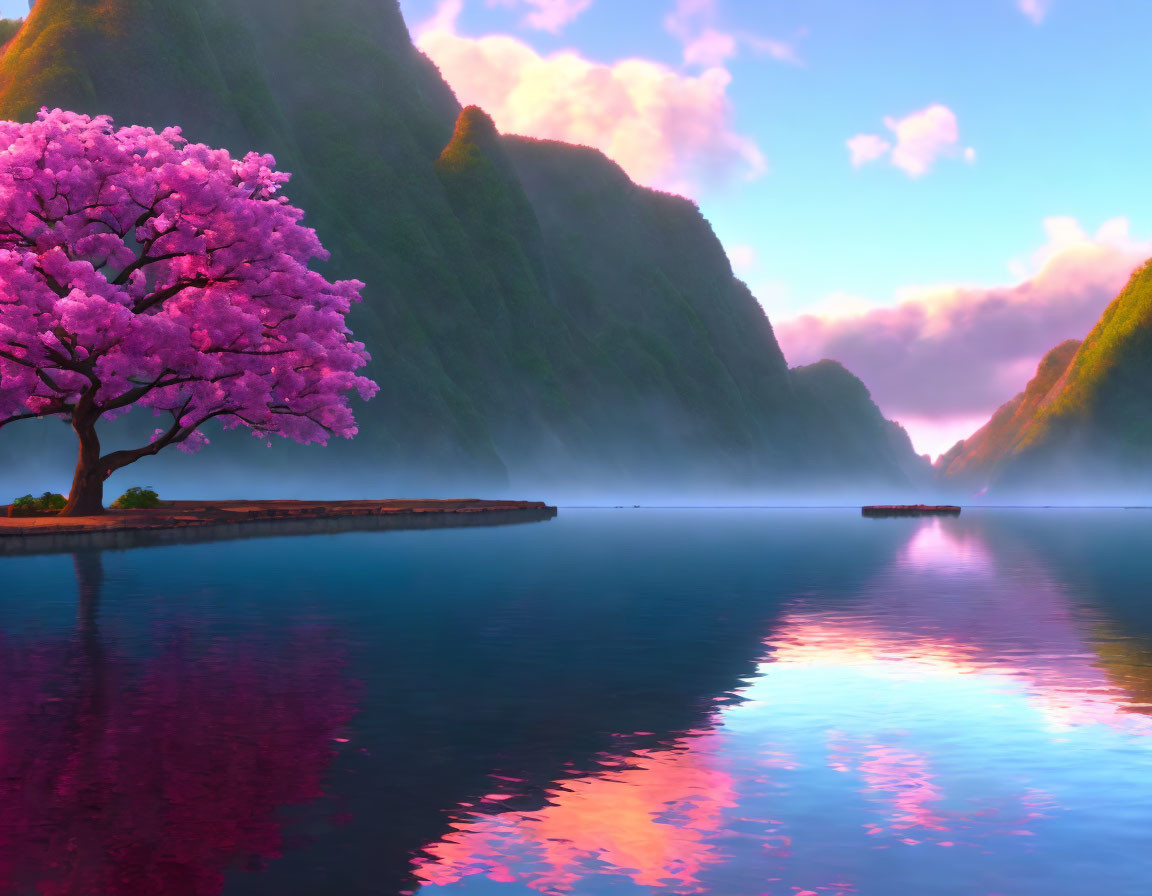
{"x": 154, "y": 775}
{"x": 616, "y": 704}
{"x": 954, "y": 707}
{"x": 650, "y": 816}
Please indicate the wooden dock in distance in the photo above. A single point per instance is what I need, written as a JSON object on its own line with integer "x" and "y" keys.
{"x": 885, "y": 510}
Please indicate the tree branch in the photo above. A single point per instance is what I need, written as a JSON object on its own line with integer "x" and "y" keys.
{"x": 134, "y": 395}
{"x": 47, "y": 380}
{"x": 142, "y": 262}
{"x": 117, "y": 460}
{"x": 55, "y": 285}
{"x": 34, "y": 415}
{"x": 243, "y": 351}
{"x": 23, "y": 362}
{"x": 165, "y": 294}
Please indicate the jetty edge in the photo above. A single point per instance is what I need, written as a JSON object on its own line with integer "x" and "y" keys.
{"x": 179, "y": 515}
{"x": 881, "y": 510}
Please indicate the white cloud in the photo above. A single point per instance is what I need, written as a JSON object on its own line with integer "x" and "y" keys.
{"x": 921, "y": 139}
{"x": 665, "y": 128}
{"x": 548, "y": 15}
{"x": 1036, "y": 10}
{"x": 867, "y": 148}
{"x": 840, "y": 304}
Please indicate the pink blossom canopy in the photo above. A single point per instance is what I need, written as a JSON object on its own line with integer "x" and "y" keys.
{"x": 139, "y": 269}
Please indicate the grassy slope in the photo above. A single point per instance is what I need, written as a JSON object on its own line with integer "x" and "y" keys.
{"x": 1084, "y": 420}
{"x": 974, "y": 460}
{"x": 8, "y": 29}
{"x": 1108, "y": 389}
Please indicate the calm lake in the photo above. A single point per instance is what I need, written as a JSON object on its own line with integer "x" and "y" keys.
{"x": 611, "y": 703}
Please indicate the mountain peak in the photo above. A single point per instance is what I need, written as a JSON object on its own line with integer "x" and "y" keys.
{"x": 474, "y": 123}
{"x": 475, "y": 138}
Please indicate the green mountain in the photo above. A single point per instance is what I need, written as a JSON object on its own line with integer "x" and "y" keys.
{"x": 1083, "y": 427}
{"x": 857, "y": 435}
{"x": 8, "y": 28}
{"x": 534, "y": 316}
{"x": 973, "y": 463}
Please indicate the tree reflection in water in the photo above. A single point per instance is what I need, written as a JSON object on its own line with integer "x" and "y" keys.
{"x": 157, "y": 775}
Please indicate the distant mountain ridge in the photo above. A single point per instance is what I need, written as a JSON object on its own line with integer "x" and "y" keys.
{"x": 1083, "y": 426}
{"x": 534, "y": 316}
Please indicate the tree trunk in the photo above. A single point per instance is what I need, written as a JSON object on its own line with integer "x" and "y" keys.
{"x": 87, "y": 495}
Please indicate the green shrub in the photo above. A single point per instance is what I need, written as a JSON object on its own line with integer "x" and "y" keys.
{"x": 49, "y": 502}
{"x": 8, "y": 29}
{"x": 137, "y": 498}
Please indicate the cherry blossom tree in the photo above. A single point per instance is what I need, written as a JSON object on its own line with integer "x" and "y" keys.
{"x": 137, "y": 269}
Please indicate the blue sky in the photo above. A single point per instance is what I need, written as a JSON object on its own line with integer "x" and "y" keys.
{"x": 905, "y": 273}
{"x": 1057, "y": 112}
{"x": 916, "y": 265}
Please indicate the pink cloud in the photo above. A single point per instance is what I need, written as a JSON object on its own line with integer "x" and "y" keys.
{"x": 951, "y": 354}
{"x": 710, "y": 47}
{"x": 665, "y": 128}
{"x": 1036, "y": 10}
{"x": 921, "y": 138}
{"x": 933, "y": 436}
{"x": 548, "y": 15}
{"x": 685, "y": 18}
{"x": 867, "y": 148}
{"x": 694, "y": 23}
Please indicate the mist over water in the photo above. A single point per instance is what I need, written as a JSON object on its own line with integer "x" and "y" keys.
{"x": 40, "y": 456}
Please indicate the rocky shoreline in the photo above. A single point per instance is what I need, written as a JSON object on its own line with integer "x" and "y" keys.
{"x": 183, "y": 521}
